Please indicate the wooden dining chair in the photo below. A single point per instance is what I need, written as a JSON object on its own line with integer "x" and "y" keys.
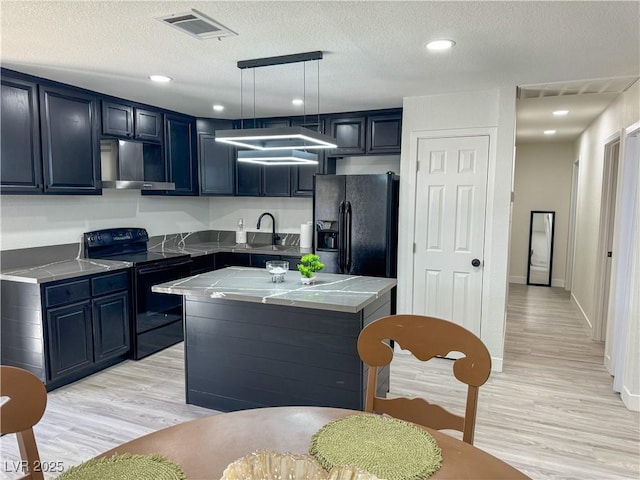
{"x": 425, "y": 337}
{"x": 23, "y": 409}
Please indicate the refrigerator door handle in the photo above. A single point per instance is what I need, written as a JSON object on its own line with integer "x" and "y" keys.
{"x": 347, "y": 223}
{"x": 341, "y": 236}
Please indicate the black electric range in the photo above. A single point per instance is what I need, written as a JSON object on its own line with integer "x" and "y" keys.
{"x": 157, "y": 318}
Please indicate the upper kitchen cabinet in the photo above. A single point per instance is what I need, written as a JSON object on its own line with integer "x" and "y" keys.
{"x": 20, "y": 161}
{"x": 126, "y": 121}
{"x": 264, "y": 181}
{"x": 180, "y": 153}
{"x": 70, "y": 141}
{"x": 349, "y": 132}
{"x": 302, "y": 176}
{"x": 376, "y": 132}
{"x": 384, "y": 133}
{"x": 216, "y": 160}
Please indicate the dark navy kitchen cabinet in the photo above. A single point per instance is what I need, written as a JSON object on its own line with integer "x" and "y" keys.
{"x": 70, "y": 339}
{"x": 111, "y": 335}
{"x": 254, "y": 180}
{"x": 216, "y": 160}
{"x": 20, "y": 161}
{"x": 302, "y": 175}
{"x": 70, "y": 141}
{"x": 64, "y": 330}
{"x": 180, "y": 153}
{"x": 125, "y": 121}
{"x": 349, "y": 132}
{"x": 384, "y": 133}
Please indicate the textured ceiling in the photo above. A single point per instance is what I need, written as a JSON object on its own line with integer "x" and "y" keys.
{"x": 374, "y": 53}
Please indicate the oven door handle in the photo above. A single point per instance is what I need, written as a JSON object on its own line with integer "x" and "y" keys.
{"x": 163, "y": 265}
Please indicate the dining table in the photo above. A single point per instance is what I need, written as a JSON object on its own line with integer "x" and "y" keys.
{"x": 206, "y": 446}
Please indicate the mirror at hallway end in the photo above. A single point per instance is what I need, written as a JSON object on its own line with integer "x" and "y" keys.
{"x": 541, "y": 229}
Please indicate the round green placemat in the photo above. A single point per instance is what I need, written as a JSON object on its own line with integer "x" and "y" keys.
{"x": 384, "y": 446}
{"x": 126, "y": 467}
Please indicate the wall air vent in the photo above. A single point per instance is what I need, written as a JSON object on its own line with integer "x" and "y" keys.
{"x": 197, "y": 24}
{"x": 579, "y": 87}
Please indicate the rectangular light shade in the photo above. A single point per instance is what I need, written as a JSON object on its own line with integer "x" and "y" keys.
{"x": 276, "y": 138}
{"x": 281, "y": 157}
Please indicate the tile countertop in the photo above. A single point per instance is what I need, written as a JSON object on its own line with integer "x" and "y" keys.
{"x": 341, "y": 293}
{"x": 62, "y": 269}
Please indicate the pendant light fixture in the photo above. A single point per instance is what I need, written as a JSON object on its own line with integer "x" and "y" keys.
{"x": 277, "y": 145}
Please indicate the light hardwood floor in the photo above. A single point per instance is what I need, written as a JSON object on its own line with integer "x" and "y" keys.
{"x": 551, "y": 412}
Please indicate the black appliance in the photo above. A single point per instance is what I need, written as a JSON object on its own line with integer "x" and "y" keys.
{"x": 156, "y": 317}
{"x": 356, "y": 218}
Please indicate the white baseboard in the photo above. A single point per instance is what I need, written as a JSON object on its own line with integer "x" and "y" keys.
{"x": 583, "y": 315}
{"x": 496, "y": 364}
{"x": 517, "y": 279}
{"x": 630, "y": 400}
{"x": 557, "y": 282}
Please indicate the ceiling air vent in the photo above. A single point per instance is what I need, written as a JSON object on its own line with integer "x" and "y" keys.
{"x": 197, "y": 24}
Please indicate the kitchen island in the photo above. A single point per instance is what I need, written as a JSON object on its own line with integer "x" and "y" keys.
{"x": 252, "y": 343}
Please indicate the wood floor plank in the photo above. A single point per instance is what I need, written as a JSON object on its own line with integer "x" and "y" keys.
{"x": 551, "y": 413}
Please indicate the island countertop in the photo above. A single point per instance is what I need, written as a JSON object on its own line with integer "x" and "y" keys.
{"x": 341, "y": 293}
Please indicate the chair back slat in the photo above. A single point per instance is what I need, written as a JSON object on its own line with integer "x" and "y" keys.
{"x": 27, "y": 401}
{"x": 425, "y": 337}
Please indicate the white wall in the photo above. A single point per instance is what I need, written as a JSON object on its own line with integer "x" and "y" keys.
{"x": 368, "y": 165}
{"x": 288, "y": 212}
{"x": 543, "y": 175}
{"x": 624, "y": 111}
{"x": 490, "y": 111}
{"x": 38, "y": 220}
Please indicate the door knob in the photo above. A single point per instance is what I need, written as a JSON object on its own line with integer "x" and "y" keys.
{"x": 475, "y": 262}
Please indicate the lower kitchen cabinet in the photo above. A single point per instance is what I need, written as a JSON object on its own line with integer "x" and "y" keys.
{"x": 65, "y": 330}
{"x": 70, "y": 336}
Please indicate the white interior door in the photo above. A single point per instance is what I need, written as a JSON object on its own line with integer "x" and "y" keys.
{"x": 451, "y": 191}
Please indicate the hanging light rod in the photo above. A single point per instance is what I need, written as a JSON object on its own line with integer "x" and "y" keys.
{"x": 281, "y": 60}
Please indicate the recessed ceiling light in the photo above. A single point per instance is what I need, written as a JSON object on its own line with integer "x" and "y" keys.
{"x": 439, "y": 45}
{"x": 160, "y": 78}
{"x": 218, "y": 108}
{"x": 549, "y": 132}
{"x": 297, "y": 101}
{"x": 561, "y": 113}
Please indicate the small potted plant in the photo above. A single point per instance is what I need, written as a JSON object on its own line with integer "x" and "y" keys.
{"x": 308, "y": 266}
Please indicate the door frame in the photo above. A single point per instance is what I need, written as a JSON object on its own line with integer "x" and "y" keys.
{"x": 408, "y": 193}
{"x": 607, "y": 201}
{"x": 571, "y": 240}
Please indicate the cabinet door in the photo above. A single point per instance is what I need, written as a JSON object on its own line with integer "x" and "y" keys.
{"x": 70, "y": 338}
{"x": 180, "y": 154}
{"x": 111, "y": 329}
{"x": 148, "y": 125}
{"x": 349, "y": 133}
{"x": 117, "y": 119}
{"x": 70, "y": 143}
{"x": 384, "y": 134}
{"x": 276, "y": 181}
{"x": 216, "y": 166}
{"x": 248, "y": 179}
{"x": 20, "y": 161}
{"x": 302, "y": 176}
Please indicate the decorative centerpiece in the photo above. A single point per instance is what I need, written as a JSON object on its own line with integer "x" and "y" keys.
{"x": 308, "y": 266}
{"x": 278, "y": 269}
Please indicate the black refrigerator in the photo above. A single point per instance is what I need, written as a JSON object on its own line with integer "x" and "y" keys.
{"x": 356, "y": 223}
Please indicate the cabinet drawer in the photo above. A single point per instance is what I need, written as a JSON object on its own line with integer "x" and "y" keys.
{"x": 110, "y": 283}
{"x": 67, "y": 293}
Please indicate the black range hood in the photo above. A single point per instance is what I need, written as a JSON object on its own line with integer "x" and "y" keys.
{"x": 130, "y": 165}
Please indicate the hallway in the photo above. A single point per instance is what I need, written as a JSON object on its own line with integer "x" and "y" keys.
{"x": 551, "y": 413}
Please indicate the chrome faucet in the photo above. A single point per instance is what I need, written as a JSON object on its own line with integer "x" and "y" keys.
{"x": 274, "y": 236}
